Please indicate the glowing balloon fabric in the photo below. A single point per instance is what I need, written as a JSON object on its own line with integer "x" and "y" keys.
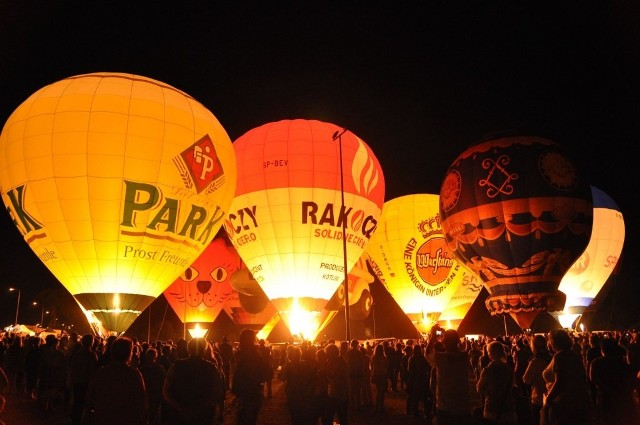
{"x": 200, "y": 293}
{"x": 409, "y": 255}
{"x": 517, "y": 213}
{"x": 117, "y": 182}
{"x": 286, "y": 219}
{"x": 590, "y": 272}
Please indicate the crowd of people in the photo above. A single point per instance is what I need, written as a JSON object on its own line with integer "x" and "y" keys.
{"x": 553, "y": 379}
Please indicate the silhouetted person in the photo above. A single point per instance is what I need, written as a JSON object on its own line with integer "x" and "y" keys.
{"x": 52, "y": 374}
{"x": 613, "y": 379}
{"x": 355, "y": 362}
{"x": 116, "y": 394}
{"x": 533, "y": 375}
{"x": 338, "y": 387}
{"x": 153, "y": 374}
{"x": 417, "y": 380}
{"x": 495, "y": 387}
{"x": 321, "y": 393}
{"x": 379, "y": 375}
{"x": 31, "y": 365}
{"x": 192, "y": 388}
{"x": 268, "y": 356}
{"x": 567, "y": 401}
{"x": 299, "y": 386}
{"x": 451, "y": 378}
{"x": 226, "y": 352}
{"x": 249, "y": 375}
{"x": 82, "y": 363}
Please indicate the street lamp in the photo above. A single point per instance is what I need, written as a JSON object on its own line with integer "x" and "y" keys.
{"x": 17, "y": 304}
{"x": 35, "y": 303}
{"x": 338, "y": 136}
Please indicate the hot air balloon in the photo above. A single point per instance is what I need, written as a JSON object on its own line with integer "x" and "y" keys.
{"x": 411, "y": 259}
{"x": 287, "y": 217}
{"x": 516, "y": 211}
{"x": 117, "y": 182}
{"x": 201, "y": 291}
{"x": 461, "y": 302}
{"x": 586, "y": 277}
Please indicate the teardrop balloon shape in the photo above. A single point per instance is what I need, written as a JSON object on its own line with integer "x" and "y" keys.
{"x": 117, "y": 182}
{"x": 516, "y": 211}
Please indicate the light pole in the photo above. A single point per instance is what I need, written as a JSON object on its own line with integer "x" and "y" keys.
{"x": 338, "y": 136}
{"x": 35, "y": 303}
{"x": 17, "y": 304}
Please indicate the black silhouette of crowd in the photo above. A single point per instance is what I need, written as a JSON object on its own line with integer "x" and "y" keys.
{"x": 548, "y": 379}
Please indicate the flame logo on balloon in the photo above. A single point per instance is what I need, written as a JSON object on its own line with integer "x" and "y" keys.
{"x": 363, "y": 170}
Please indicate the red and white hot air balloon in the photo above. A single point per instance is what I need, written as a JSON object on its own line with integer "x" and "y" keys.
{"x": 287, "y": 218}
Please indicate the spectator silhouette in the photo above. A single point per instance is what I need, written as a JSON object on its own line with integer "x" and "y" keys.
{"x": 268, "y": 356}
{"x": 116, "y": 393}
{"x": 82, "y": 363}
{"x": 613, "y": 379}
{"x": 299, "y": 386}
{"x": 338, "y": 385}
{"x": 418, "y": 376}
{"x": 321, "y": 392}
{"x": 379, "y": 375}
{"x": 451, "y": 377}
{"x": 533, "y": 374}
{"x": 31, "y": 365}
{"x": 355, "y": 362}
{"x": 495, "y": 387}
{"x": 567, "y": 400}
{"x": 153, "y": 374}
{"x": 52, "y": 374}
{"x": 249, "y": 375}
{"x": 192, "y": 388}
{"x": 226, "y": 352}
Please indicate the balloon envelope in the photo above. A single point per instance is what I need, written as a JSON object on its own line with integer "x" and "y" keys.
{"x": 516, "y": 212}
{"x": 117, "y": 182}
{"x": 586, "y": 277}
{"x": 287, "y": 219}
{"x": 410, "y": 257}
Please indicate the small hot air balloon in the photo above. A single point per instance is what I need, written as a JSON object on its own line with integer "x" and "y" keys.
{"x": 117, "y": 182}
{"x": 586, "y": 277}
{"x": 410, "y": 257}
{"x": 461, "y": 302}
{"x": 201, "y": 291}
{"x": 287, "y": 219}
{"x": 516, "y": 211}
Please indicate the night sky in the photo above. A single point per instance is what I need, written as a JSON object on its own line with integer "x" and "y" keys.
{"x": 418, "y": 81}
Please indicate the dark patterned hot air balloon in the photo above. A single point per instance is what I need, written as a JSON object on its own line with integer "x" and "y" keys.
{"x": 516, "y": 211}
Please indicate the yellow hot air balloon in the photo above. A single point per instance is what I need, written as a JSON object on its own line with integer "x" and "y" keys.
{"x": 117, "y": 182}
{"x": 461, "y": 302}
{"x": 590, "y": 272}
{"x": 287, "y": 219}
{"x": 409, "y": 255}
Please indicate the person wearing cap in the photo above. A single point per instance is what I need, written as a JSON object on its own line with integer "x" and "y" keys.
{"x": 452, "y": 368}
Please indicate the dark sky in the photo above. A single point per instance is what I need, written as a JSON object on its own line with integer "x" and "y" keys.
{"x": 418, "y": 81}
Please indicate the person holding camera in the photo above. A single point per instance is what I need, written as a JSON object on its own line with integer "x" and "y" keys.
{"x": 452, "y": 368}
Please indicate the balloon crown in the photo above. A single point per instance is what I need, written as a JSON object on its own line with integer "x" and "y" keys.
{"x": 430, "y": 226}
